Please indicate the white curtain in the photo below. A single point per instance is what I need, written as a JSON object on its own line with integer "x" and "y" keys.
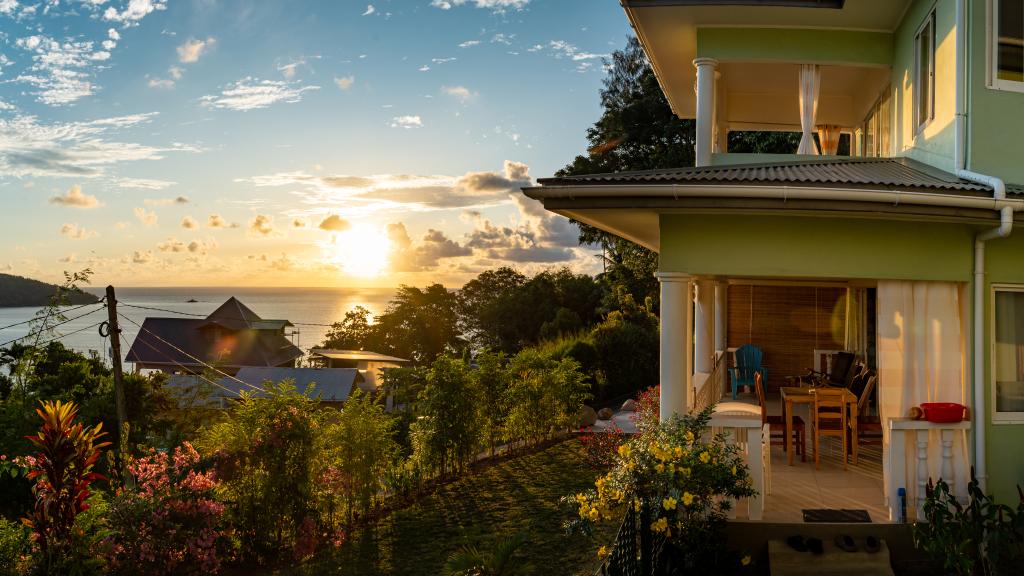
{"x": 810, "y": 86}
{"x": 922, "y": 328}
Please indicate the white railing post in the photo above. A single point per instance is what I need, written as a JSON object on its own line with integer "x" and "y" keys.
{"x": 897, "y": 471}
{"x": 746, "y": 430}
{"x": 947, "y": 460}
{"x": 900, "y": 477}
{"x": 922, "y": 472}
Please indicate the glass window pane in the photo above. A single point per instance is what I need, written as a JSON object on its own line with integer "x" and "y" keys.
{"x": 1009, "y": 351}
{"x": 925, "y": 68}
{"x": 1010, "y": 46}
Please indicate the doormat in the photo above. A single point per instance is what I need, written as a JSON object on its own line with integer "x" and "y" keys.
{"x": 832, "y": 515}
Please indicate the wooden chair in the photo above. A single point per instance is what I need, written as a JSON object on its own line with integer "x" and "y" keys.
{"x": 869, "y": 426}
{"x": 748, "y": 364}
{"x": 778, "y": 426}
{"x": 829, "y": 417}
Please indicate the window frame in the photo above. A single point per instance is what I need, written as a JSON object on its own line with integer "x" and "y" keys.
{"x": 992, "y": 53}
{"x": 921, "y": 123}
{"x": 997, "y": 416}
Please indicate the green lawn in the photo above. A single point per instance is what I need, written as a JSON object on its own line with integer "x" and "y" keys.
{"x": 517, "y": 494}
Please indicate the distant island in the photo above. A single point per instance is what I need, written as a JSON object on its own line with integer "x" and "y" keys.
{"x": 17, "y": 291}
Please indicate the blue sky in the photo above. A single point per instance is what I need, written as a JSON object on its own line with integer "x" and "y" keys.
{"x": 292, "y": 143}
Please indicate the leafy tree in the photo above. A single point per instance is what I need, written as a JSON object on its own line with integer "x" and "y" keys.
{"x": 545, "y": 395}
{"x": 478, "y": 296}
{"x": 446, "y": 435}
{"x": 355, "y": 332}
{"x": 627, "y": 346}
{"x": 491, "y": 380}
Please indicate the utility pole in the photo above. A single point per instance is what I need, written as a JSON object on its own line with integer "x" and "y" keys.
{"x": 115, "y": 345}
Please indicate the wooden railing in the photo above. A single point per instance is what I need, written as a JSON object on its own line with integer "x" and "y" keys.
{"x": 745, "y": 430}
{"x": 709, "y": 388}
{"x": 902, "y": 432}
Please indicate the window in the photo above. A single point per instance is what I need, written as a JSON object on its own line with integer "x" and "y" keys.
{"x": 1007, "y": 33}
{"x": 1008, "y": 354}
{"x": 924, "y": 76}
{"x": 877, "y": 127}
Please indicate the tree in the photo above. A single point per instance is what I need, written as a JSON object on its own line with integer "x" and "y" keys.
{"x": 420, "y": 324}
{"x": 627, "y": 348}
{"x": 446, "y": 435}
{"x": 479, "y": 296}
{"x": 355, "y": 332}
{"x": 491, "y": 380}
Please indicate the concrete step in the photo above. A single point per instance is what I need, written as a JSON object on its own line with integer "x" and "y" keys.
{"x": 785, "y": 561}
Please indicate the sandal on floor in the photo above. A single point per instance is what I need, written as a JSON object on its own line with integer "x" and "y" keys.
{"x": 797, "y": 543}
{"x": 845, "y": 542}
{"x": 816, "y": 546}
{"x": 872, "y": 545}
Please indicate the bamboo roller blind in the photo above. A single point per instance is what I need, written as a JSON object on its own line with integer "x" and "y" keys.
{"x": 787, "y": 323}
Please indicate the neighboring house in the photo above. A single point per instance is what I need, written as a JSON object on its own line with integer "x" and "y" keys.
{"x": 231, "y": 337}
{"x": 331, "y": 386}
{"x": 371, "y": 365}
{"x": 915, "y": 228}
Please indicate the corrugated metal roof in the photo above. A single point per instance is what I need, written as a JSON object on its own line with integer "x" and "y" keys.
{"x": 890, "y": 173}
{"x": 357, "y": 355}
{"x": 327, "y": 384}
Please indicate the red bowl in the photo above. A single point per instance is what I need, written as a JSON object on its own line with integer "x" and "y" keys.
{"x": 943, "y": 412}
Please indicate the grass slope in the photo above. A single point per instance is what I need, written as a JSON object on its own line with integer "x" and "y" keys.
{"x": 517, "y": 494}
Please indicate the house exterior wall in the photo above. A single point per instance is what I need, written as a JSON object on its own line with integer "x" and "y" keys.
{"x": 799, "y": 45}
{"x": 934, "y": 143}
{"x": 995, "y": 118}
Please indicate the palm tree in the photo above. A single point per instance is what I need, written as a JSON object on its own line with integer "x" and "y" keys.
{"x": 472, "y": 561}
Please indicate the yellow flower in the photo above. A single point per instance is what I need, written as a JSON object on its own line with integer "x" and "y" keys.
{"x": 659, "y": 468}
{"x": 624, "y": 450}
{"x": 684, "y": 471}
{"x": 689, "y": 437}
{"x": 669, "y": 503}
{"x": 594, "y": 515}
{"x": 678, "y": 451}
{"x": 746, "y": 560}
{"x": 659, "y": 525}
{"x": 705, "y": 457}
{"x": 687, "y": 498}
{"x": 636, "y": 505}
{"x": 603, "y": 552}
{"x": 581, "y": 498}
{"x": 630, "y": 466}
{"x": 734, "y": 470}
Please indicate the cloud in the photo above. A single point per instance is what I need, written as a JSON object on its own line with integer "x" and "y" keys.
{"x": 406, "y": 122}
{"x": 369, "y": 10}
{"x": 189, "y": 223}
{"x": 160, "y": 83}
{"x": 261, "y": 225}
{"x": 434, "y": 247}
{"x": 201, "y": 246}
{"x": 61, "y": 71}
{"x": 469, "y": 43}
{"x": 142, "y": 256}
{"x": 145, "y": 184}
{"x": 166, "y": 201}
{"x": 495, "y": 5}
{"x": 345, "y": 82}
{"x": 75, "y": 198}
{"x": 251, "y": 93}
{"x": 134, "y": 12}
{"x": 290, "y": 69}
{"x": 563, "y": 49}
{"x": 334, "y": 223}
{"x": 72, "y": 149}
{"x": 76, "y": 232}
{"x": 175, "y": 72}
{"x": 443, "y": 60}
{"x": 460, "y": 93}
{"x": 192, "y": 49}
{"x": 424, "y": 68}
{"x": 172, "y": 244}
{"x": 146, "y": 217}
{"x": 217, "y": 221}
{"x": 299, "y": 223}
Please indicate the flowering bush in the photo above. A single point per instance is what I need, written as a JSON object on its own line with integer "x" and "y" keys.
{"x": 601, "y": 446}
{"x": 682, "y": 478}
{"x": 648, "y": 405}
{"x": 171, "y": 523}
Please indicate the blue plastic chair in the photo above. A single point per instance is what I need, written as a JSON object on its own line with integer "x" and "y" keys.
{"x": 748, "y": 363}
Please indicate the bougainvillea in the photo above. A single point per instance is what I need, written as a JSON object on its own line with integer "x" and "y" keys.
{"x": 601, "y": 446}
{"x": 171, "y": 523}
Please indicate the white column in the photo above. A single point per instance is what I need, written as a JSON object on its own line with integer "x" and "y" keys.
{"x": 674, "y": 319}
{"x": 703, "y": 329}
{"x": 721, "y": 289}
{"x": 705, "y": 108}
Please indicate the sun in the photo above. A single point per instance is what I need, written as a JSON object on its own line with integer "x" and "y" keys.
{"x": 361, "y": 251}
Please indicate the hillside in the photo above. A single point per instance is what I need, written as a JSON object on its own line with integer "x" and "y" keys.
{"x": 18, "y": 291}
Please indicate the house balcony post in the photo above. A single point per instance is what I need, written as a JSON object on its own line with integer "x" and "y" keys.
{"x": 674, "y": 321}
{"x": 704, "y": 325}
{"x": 720, "y": 322}
{"x": 706, "y": 69}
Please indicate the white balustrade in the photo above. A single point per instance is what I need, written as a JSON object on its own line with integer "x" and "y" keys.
{"x": 745, "y": 431}
{"x": 708, "y": 389}
{"x": 902, "y": 430}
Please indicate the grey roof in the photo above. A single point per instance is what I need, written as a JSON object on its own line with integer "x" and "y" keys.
{"x": 874, "y": 173}
{"x": 328, "y": 384}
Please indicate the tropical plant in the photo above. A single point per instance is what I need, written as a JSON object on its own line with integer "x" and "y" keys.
{"x": 491, "y": 381}
{"x": 978, "y": 537}
{"x": 627, "y": 348}
{"x": 62, "y": 472}
{"x": 15, "y": 548}
{"x": 684, "y": 477}
{"x": 447, "y": 433}
{"x": 600, "y": 447}
{"x": 497, "y": 561}
{"x": 545, "y": 396}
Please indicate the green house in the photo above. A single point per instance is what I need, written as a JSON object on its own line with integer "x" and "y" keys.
{"x": 910, "y": 238}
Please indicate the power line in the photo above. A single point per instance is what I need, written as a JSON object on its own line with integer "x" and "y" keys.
{"x": 65, "y": 321}
{"x": 193, "y": 314}
{"x": 182, "y": 366}
{"x": 191, "y": 357}
{"x": 33, "y": 319}
{"x": 54, "y": 339}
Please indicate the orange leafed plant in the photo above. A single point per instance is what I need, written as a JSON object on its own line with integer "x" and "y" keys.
{"x": 62, "y": 472}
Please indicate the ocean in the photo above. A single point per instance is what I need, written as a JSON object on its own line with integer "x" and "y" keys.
{"x": 298, "y": 305}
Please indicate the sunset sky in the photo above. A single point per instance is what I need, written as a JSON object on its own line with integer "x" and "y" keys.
{"x": 334, "y": 143}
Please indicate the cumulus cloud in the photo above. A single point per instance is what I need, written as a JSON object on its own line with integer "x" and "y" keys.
{"x": 189, "y": 223}
{"x": 460, "y": 93}
{"x": 261, "y": 225}
{"x": 166, "y": 201}
{"x": 406, "y": 122}
{"x": 251, "y": 93}
{"x": 172, "y": 244}
{"x": 345, "y": 82}
{"x": 369, "y": 10}
{"x": 334, "y": 223}
{"x": 134, "y": 11}
{"x": 299, "y": 223}
{"x": 469, "y": 43}
{"x": 61, "y": 70}
{"x": 75, "y": 198}
{"x": 147, "y": 217}
{"x": 142, "y": 256}
{"x": 432, "y": 248}
{"x": 192, "y": 49}
{"x": 76, "y": 232}
{"x": 218, "y": 221}
{"x": 495, "y": 5}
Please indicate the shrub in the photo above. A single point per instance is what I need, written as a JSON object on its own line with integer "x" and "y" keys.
{"x": 171, "y": 523}
{"x": 601, "y": 446}
{"x": 447, "y": 434}
{"x": 627, "y": 345}
{"x": 685, "y": 480}
{"x": 15, "y": 548}
{"x": 648, "y": 410}
{"x": 545, "y": 395}
{"x": 62, "y": 473}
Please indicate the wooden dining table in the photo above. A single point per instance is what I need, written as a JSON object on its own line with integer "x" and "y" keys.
{"x": 805, "y": 395}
